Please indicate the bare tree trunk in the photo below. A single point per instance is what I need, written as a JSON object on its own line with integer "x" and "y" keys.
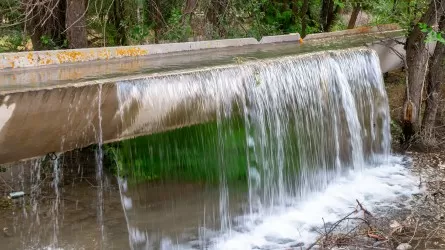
{"x": 303, "y": 17}
{"x": 354, "y": 15}
{"x": 75, "y": 23}
{"x": 155, "y": 16}
{"x": 417, "y": 56}
{"x": 45, "y": 19}
{"x": 35, "y": 30}
{"x": 118, "y": 18}
{"x": 294, "y": 8}
{"x": 394, "y": 5}
{"x": 189, "y": 9}
{"x": 329, "y": 12}
{"x": 325, "y": 7}
{"x": 436, "y": 77}
{"x": 215, "y": 15}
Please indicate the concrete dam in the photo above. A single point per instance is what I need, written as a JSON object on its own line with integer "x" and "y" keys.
{"x": 56, "y": 101}
{"x": 224, "y": 145}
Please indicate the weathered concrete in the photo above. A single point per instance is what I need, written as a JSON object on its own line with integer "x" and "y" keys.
{"x": 391, "y": 53}
{"x": 52, "y": 57}
{"x": 280, "y": 39}
{"x": 357, "y": 31}
{"x": 37, "y": 117}
{"x": 57, "y": 57}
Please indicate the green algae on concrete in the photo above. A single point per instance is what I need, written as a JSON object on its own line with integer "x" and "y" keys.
{"x": 197, "y": 153}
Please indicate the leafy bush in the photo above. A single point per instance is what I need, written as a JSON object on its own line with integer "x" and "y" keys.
{"x": 12, "y": 40}
{"x": 178, "y": 28}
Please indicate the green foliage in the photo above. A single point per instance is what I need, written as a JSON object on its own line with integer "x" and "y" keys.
{"x": 178, "y": 30}
{"x": 12, "y": 40}
{"x": 12, "y": 37}
{"x": 339, "y": 3}
{"x": 133, "y": 22}
{"x": 339, "y": 25}
{"x": 396, "y": 131}
{"x": 139, "y": 32}
{"x": 431, "y": 35}
{"x": 405, "y": 13}
{"x": 280, "y": 16}
{"x": 50, "y": 44}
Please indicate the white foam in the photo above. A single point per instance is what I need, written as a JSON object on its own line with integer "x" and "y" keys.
{"x": 377, "y": 188}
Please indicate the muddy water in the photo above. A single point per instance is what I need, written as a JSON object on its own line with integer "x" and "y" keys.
{"x": 163, "y": 211}
{"x": 181, "y": 215}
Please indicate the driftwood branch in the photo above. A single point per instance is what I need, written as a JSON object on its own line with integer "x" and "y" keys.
{"x": 328, "y": 232}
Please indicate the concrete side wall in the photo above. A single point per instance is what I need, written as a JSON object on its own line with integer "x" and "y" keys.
{"x": 279, "y": 39}
{"x": 391, "y": 54}
{"x": 37, "y": 122}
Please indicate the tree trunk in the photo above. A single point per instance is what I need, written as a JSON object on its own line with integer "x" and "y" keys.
{"x": 215, "y": 14}
{"x": 303, "y": 17}
{"x": 354, "y": 15}
{"x": 436, "y": 77}
{"x": 294, "y": 8}
{"x": 76, "y": 32}
{"x": 118, "y": 17}
{"x": 45, "y": 19}
{"x": 394, "y": 5}
{"x": 155, "y": 16}
{"x": 417, "y": 62}
{"x": 189, "y": 9}
{"x": 35, "y": 30}
{"x": 58, "y": 24}
{"x": 325, "y": 7}
{"x": 328, "y": 14}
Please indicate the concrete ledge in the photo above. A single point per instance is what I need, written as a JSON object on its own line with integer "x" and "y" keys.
{"x": 356, "y": 31}
{"x": 57, "y": 57}
{"x": 52, "y": 57}
{"x": 279, "y": 39}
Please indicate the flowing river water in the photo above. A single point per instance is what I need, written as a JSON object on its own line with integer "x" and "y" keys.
{"x": 290, "y": 144}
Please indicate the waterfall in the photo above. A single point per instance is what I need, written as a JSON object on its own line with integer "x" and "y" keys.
{"x": 307, "y": 121}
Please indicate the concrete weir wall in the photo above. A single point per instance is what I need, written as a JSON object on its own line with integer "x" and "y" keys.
{"x": 55, "y": 57}
{"x": 40, "y": 119}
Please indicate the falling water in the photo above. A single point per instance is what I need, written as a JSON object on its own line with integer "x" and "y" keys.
{"x": 308, "y": 120}
{"x": 35, "y": 192}
{"x": 57, "y": 176}
{"x": 99, "y": 169}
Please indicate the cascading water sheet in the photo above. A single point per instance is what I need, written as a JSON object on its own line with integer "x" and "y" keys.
{"x": 316, "y": 126}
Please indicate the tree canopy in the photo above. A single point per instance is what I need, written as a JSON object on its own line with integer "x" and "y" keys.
{"x": 55, "y": 24}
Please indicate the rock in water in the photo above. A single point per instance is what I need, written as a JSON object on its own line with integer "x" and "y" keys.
{"x": 404, "y": 246}
{"x": 6, "y": 232}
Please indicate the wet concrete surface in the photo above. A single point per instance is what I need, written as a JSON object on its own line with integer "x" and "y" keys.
{"x": 60, "y": 75}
